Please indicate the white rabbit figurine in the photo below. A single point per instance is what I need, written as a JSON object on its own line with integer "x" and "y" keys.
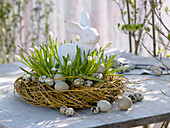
{"x": 89, "y": 37}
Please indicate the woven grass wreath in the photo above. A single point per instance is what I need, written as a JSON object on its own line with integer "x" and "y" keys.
{"x": 44, "y": 61}
{"x": 38, "y": 94}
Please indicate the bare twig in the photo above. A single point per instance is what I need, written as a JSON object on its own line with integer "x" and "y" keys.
{"x": 166, "y": 67}
{"x": 128, "y": 12}
{"x": 153, "y": 29}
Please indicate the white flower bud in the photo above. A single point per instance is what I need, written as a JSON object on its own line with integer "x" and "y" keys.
{"x": 94, "y": 57}
{"x": 48, "y": 59}
{"x": 31, "y": 50}
{"x": 35, "y": 48}
{"x": 89, "y": 58}
{"x": 50, "y": 34}
{"x": 54, "y": 69}
{"x": 17, "y": 58}
{"x": 69, "y": 63}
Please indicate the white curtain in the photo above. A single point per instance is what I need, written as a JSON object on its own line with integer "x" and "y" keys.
{"x": 104, "y": 14}
{"x": 104, "y": 17}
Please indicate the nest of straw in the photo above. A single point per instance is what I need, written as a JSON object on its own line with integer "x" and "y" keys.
{"x": 38, "y": 94}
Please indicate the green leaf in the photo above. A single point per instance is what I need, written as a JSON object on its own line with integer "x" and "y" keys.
{"x": 148, "y": 29}
{"x": 118, "y": 25}
{"x": 160, "y": 50}
{"x": 29, "y": 72}
{"x": 168, "y": 55}
{"x": 166, "y": 9}
{"x": 91, "y": 78}
{"x": 168, "y": 36}
{"x": 113, "y": 71}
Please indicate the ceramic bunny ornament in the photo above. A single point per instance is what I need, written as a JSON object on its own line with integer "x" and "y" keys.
{"x": 89, "y": 37}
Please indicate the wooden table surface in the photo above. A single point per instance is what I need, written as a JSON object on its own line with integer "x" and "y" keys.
{"x": 154, "y": 108}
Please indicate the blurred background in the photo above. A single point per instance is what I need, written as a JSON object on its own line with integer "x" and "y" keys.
{"x": 140, "y": 27}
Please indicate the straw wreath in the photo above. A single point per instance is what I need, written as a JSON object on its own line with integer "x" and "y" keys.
{"x": 38, "y": 94}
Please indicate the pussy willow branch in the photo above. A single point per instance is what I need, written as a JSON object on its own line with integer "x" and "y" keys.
{"x": 159, "y": 31}
{"x": 167, "y": 46}
{"x": 166, "y": 67}
{"x": 121, "y": 9}
{"x": 160, "y": 19}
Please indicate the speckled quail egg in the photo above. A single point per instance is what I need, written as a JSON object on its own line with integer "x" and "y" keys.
{"x": 63, "y": 110}
{"x": 157, "y": 70}
{"x": 126, "y": 68}
{"x": 69, "y": 112}
{"x": 88, "y": 83}
{"x": 98, "y": 75}
{"x": 101, "y": 69}
{"x": 26, "y": 78}
{"x": 133, "y": 98}
{"x": 78, "y": 82}
{"x": 124, "y": 103}
{"x": 139, "y": 96}
{"x": 42, "y": 78}
{"x": 33, "y": 78}
{"x": 104, "y": 105}
{"x": 59, "y": 76}
{"x": 95, "y": 110}
{"x": 155, "y": 67}
{"x": 49, "y": 81}
{"x": 94, "y": 74}
{"x": 60, "y": 85}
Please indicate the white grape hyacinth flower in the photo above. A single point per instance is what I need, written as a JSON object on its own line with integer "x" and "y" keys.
{"x": 35, "y": 48}
{"x": 50, "y": 34}
{"x": 17, "y": 58}
{"x": 69, "y": 63}
{"x": 31, "y": 50}
{"x": 89, "y": 58}
{"x": 95, "y": 57}
{"x": 54, "y": 69}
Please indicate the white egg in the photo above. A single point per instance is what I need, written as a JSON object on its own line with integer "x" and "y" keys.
{"x": 78, "y": 82}
{"x": 139, "y": 96}
{"x": 26, "y": 78}
{"x": 101, "y": 69}
{"x": 124, "y": 103}
{"x": 69, "y": 112}
{"x": 59, "y": 76}
{"x": 60, "y": 85}
{"x": 95, "y": 110}
{"x": 63, "y": 110}
{"x": 104, "y": 105}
